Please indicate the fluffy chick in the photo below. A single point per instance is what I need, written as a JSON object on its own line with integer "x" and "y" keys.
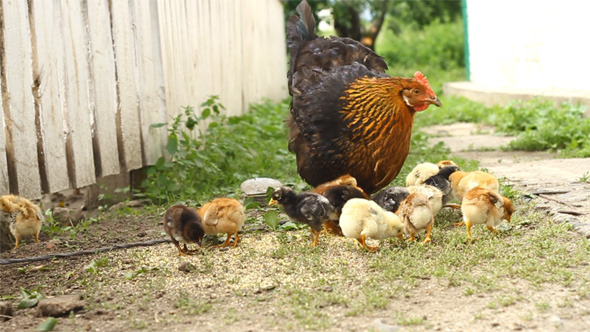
{"x": 420, "y": 173}
{"x": 223, "y": 215}
{"x": 433, "y": 194}
{"x": 462, "y": 182}
{"x": 416, "y": 215}
{"x": 344, "y": 180}
{"x": 338, "y": 195}
{"x": 362, "y": 219}
{"x": 26, "y": 217}
{"x": 390, "y": 198}
{"x": 183, "y": 225}
{"x": 484, "y": 206}
{"x": 308, "y": 208}
{"x": 441, "y": 181}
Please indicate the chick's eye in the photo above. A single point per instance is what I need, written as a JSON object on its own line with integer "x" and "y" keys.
{"x": 416, "y": 91}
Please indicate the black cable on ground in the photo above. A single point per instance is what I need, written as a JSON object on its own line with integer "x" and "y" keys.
{"x": 83, "y": 252}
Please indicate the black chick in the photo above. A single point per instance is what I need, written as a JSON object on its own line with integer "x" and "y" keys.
{"x": 441, "y": 181}
{"x": 308, "y": 208}
{"x": 391, "y": 197}
{"x": 338, "y": 195}
{"x": 183, "y": 224}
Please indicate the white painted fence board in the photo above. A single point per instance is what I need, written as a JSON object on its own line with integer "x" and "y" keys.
{"x": 149, "y": 80}
{"x": 49, "y": 70}
{"x": 78, "y": 111}
{"x": 126, "y": 80}
{"x": 103, "y": 72}
{"x": 19, "y": 102}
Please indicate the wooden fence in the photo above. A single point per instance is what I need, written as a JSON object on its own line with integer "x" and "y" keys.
{"x": 82, "y": 81}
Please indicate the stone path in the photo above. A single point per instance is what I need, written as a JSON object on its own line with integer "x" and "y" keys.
{"x": 556, "y": 184}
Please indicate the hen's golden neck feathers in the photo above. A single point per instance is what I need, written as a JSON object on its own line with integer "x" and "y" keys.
{"x": 373, "y": 105}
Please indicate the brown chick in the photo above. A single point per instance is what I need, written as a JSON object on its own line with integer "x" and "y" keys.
{"x": 338, "y": 192}
{"x": 462, "y": 182}
{"x": 183, "y": 224}
{"x": 223, "y": 215}
{"x": 483, "y": 206}
{"x": 416, "y": 215}
{"x": 26, "y": 217}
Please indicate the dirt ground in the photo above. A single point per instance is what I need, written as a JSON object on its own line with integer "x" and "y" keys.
{"x": 252, "y": 287}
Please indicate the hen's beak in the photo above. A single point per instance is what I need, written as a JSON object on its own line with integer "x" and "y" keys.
{"x": 273, "y": 202}
{"x": 435, "y": 101}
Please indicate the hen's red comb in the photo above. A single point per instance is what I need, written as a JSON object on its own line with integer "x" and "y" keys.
{"x": 422, "y": 79}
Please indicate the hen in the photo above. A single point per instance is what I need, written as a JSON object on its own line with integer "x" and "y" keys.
{"x": 347, "y": 115}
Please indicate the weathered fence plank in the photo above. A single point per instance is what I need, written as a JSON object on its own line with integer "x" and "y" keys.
{"x": 129, "y": 127}
{"x": 78, "y": 112}
{"x": 4, "y": 188}
{"x": 103, "y": 72}
{"x": 150, "y": 79}
{"x": 19, "y": 105}
{"x": 48, "y": 70}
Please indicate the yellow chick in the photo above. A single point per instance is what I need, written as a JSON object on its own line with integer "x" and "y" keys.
{"x": 483, "y": 206}
{"x": 416, "y": 214}
{"x": 362, "y": 219}
{"x": 462, "y": 182}
{"x": 223, "y": 215}
{"x": 433, "y": 194}
{"x": 26, "y": 217}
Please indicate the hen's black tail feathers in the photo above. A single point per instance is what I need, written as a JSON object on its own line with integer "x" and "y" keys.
{"x": 299, "y": 30}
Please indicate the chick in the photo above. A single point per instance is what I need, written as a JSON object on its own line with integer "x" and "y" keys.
{"x": 223, "y": 215}
{"x": 26, "y": 217}
{"x": 484, "y": 206}
{"x": 363, "y": 218}
{"x": 462, "y": 182}
{"x": 420, "y": 173}
{"x": 183, "y": 224}
{"x": 338, "y": 195}
{"x": 344, "y": 180}
{"x": 442, "y": 182}
{"x": 444, "y": 163}
{"x": 433, "y": 194}
{"x": 416, "y": 215}
{"x": 308, "y": 208}
{"x": 390, "y": 198}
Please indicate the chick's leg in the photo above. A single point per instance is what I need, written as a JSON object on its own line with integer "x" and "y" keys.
{"x": 17, "y": 242}
{"x": 495, "y": 231}
{"x": 468, "y": 225}
{"x": 226, "y": 243}
{"x": 363, "y": 241}
{"x": 315, "y": 235}
{"x": 37, "y": 237}
{"x": 428, "y": 230}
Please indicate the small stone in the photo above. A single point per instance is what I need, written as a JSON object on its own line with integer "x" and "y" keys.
{"x": 259, "y": 186}
{"x": 6, "y": 311}
{"x": 186, "y": 267}
{"x": 381, "y": 326}
{"x": 59, "y": 306}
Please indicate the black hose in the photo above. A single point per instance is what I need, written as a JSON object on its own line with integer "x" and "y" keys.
{"x": 82, "y": 252}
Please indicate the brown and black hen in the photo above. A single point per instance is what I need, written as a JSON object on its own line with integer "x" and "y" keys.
{"x": 347, "y": 115}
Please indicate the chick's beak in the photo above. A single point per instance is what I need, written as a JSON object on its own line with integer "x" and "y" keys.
{"x": 273, "y": 202}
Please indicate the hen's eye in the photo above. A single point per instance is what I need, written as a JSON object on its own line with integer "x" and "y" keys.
{"x": 416, "y": 91}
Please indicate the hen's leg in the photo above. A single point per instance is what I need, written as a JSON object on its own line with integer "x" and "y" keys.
{"x": 17, "y": 241}
{"x": 315, "y": 236}
{"x": 363, "y": 241}
{"x": 226, "y": 243}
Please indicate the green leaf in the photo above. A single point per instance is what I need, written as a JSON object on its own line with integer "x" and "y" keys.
{"x": 158, "y": 125}
{"x": 48, "y": 324}
{"x": 29, "y": 298}
{"x": 271, "y": 218}
{"x": 172, "y": 145}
